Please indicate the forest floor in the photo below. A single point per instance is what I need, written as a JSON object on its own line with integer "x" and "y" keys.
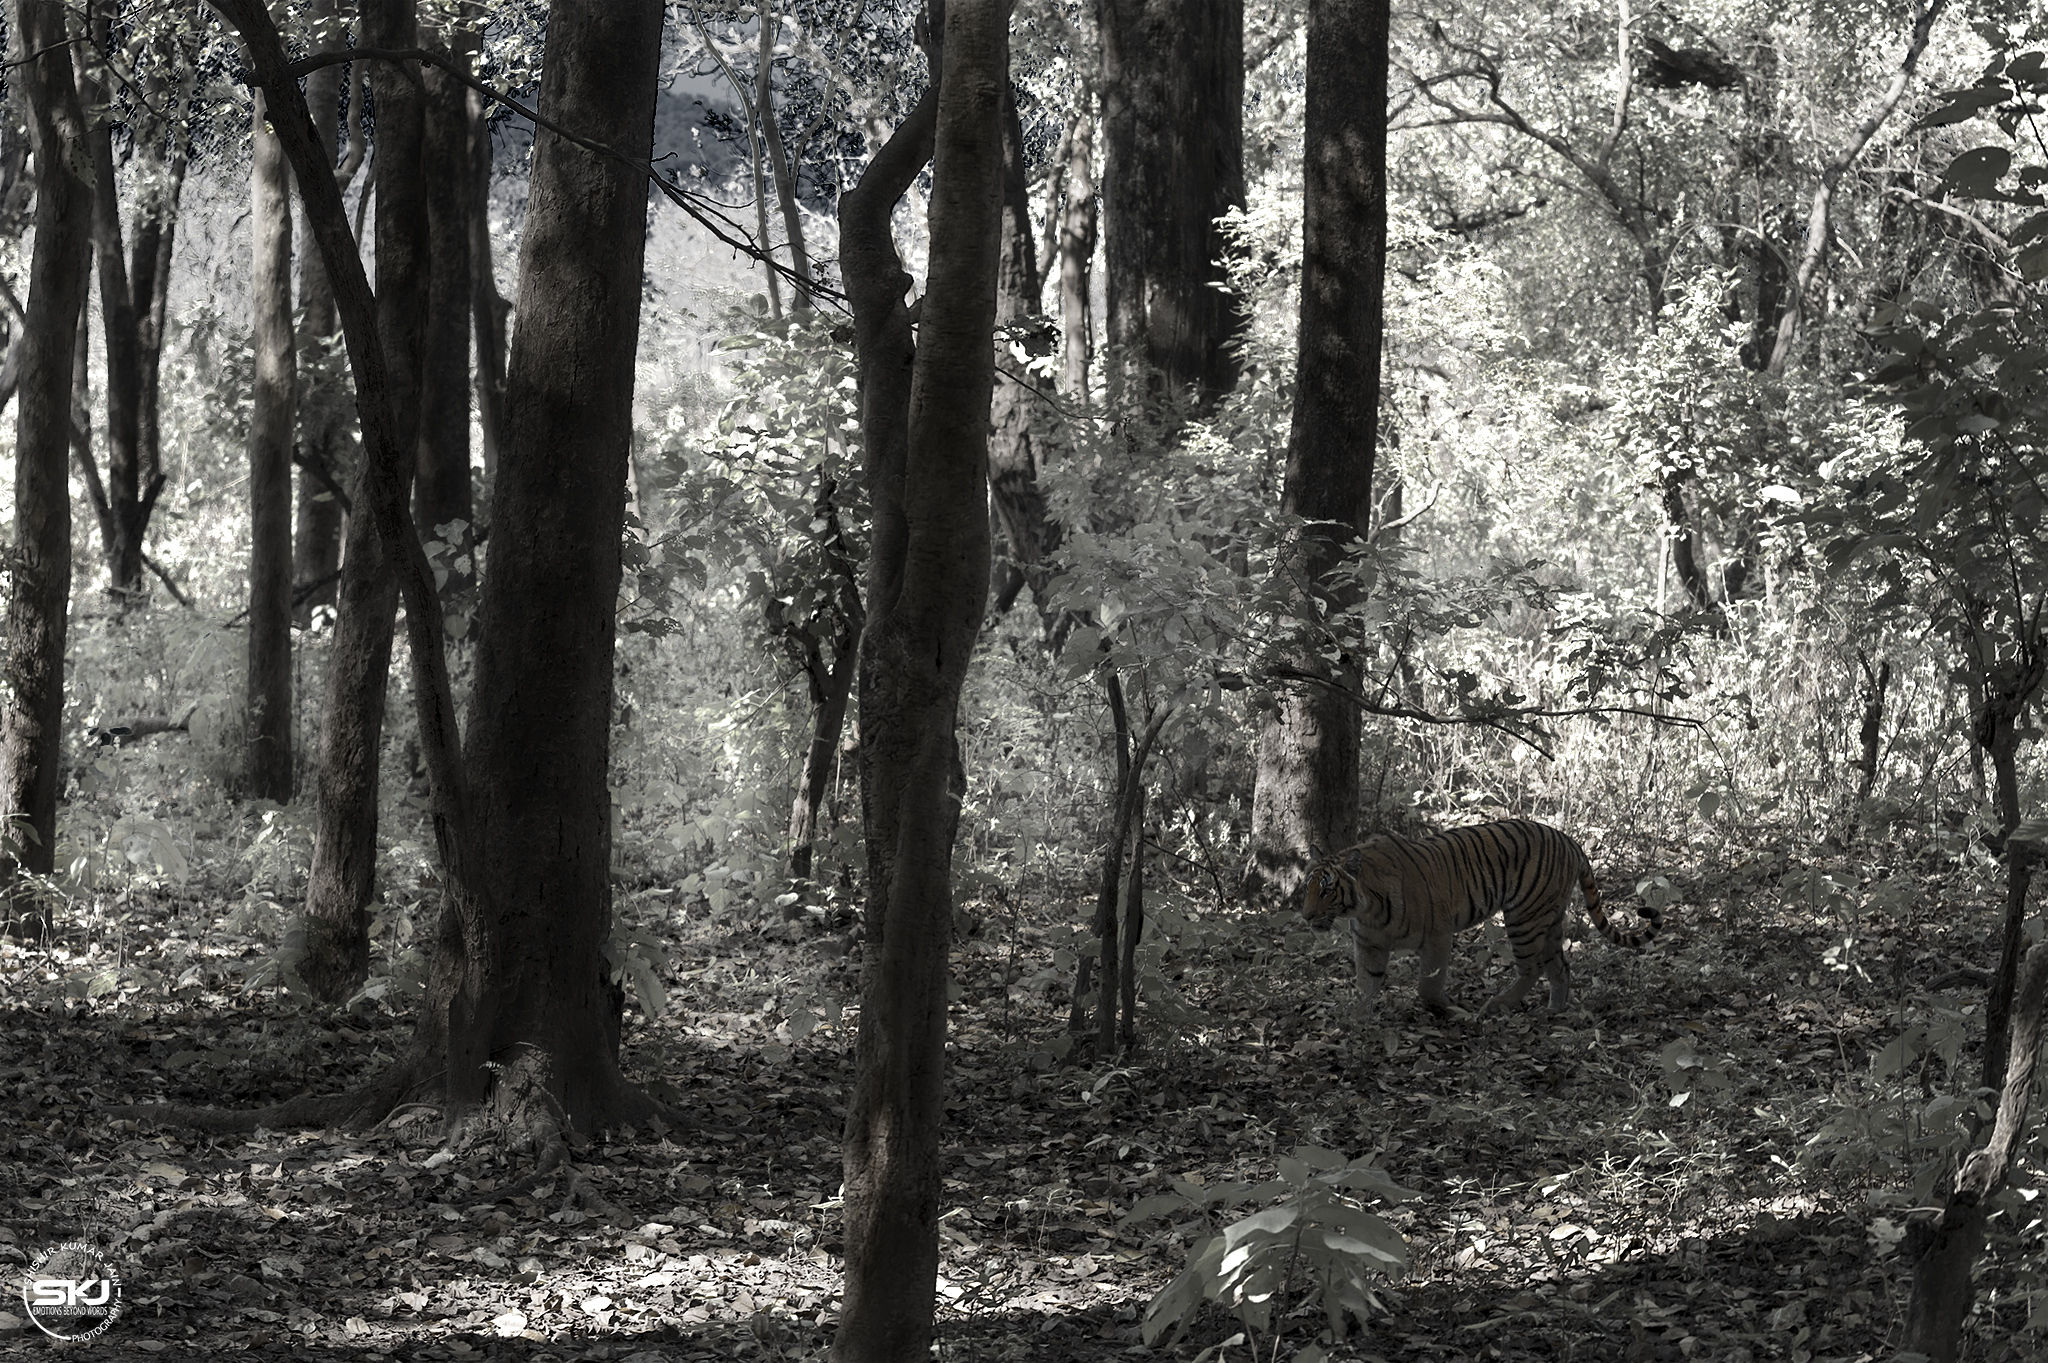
{"x": 1636, "y": 1179}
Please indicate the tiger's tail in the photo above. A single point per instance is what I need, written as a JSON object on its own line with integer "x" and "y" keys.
{"x": 1652, "y": 919}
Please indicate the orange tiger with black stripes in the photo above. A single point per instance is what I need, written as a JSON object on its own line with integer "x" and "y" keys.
{"x": 1404, "y": 895}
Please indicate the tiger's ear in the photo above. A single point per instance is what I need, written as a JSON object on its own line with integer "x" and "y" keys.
{"x": 1315, "y": 853}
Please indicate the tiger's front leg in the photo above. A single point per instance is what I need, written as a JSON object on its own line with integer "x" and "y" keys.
{"x": 1435, "y": 969}
{"x": 1371, "y": 964}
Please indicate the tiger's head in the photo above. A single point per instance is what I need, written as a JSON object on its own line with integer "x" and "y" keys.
{"x": 1327, "y": 892}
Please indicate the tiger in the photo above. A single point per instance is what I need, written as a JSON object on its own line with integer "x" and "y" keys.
{"x": 1403, "y": 894}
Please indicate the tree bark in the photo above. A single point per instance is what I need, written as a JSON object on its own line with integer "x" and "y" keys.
{"x": 1028, "y": 536}
{"x": 326, "y": 458}
{"x": 831, "y": 684}
{"x": 540, "y": 742}
{"x": 31, "y": 724}
{"x": 1173, "y": 162}
{"x": 451, "y": 1045}
{"x": 1944, "y": 1249}
{"x": 129, "y": 502}
{"x": 442, "y": 495}
{"x": 1077, "y": 253}
{"x": 341, "y": 882}
{"x": 779, "y": 163}
{"x": 927, "y": 587}
{"x": 268, "y": 773}
{"x": 1306, "y": 794}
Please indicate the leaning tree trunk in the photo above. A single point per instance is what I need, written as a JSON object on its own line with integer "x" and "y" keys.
{"x": 441, "y": 497}
{"x": 326, "y": 464}
{"x": 31, "y": 723}
{"x": 342, "y": 880}
{"x": 1173, "y": 162}
{"x": 1944, "y": 1249}
{"x": 927, "y": 586}
{"x": 451, "y": 1047}
{"x": 1307, "y": 785}
{"x": 540, "y": 739}
{"x": 268, "y": 757}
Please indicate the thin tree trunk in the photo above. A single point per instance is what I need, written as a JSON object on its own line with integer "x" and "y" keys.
{"x": 831, "y": 686}
{"x": 323, "y": 420}
{"x": 1944, "y": 1250}
{"x": 442, "y": 495}
{"x": 785, "y": 174}
{"x": 128, "y": 500}
{"x": 927, "y": 587}
{"x": 268, "y": 774}
{"x": 1306, "y": 794}
{"x": 1077, "y": 253}
{"x": 1173, "y": 142}
{"x": 341, "y": 882}
{"x": 1028, "y": 536}
{"x": 1819, "y": 217}
{"x": 31, "y": 724}
{"x": 1875, "y": 684}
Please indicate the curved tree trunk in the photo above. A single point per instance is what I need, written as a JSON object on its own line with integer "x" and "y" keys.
{"x": 31, "y": 724}
{"x": 1173, "y": 162}
{"x": 927, "y": 587}
{"x": 1307, "y": 787}
{"x": 268, "y": 774}
{"x": 342, "y": 880}
{"x": 540, "y": 741}
{"x": 1028, "y": 536}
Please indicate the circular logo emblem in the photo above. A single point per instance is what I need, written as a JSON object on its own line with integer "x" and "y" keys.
{"x": 72, "y": 1292}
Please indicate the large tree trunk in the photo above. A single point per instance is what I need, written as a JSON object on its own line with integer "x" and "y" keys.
{"x": 342, "y": 879}
{"x": 31, "y": 724}
{"x": 1307, "y": 785}
{"x": 268, "y": 770}
{"x": 442, "y": 496}
{"x": 540, "y": 742}
{"x": 1173, "y": 143}
{"x": 1013, "y": 457}
{"x": 927, "y": 586}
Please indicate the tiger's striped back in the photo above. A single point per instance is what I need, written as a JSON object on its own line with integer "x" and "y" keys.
{"x": 1402, "y": 894}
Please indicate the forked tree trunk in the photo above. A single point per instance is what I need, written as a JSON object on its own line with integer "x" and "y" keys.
{"x": 268, "y": 757}
{"x": 342, "y": 880}
{"x": 442, "y": 496}
{"x": 1307, "y": 785}
{"x": 927, "y": 587}
{"x": 129, "y": 501}
{"x": 31, "y": 724}
{"x": 1173, "y": 143}
{"x": 540, "y": 741}
{"x": 452, "y": 1044}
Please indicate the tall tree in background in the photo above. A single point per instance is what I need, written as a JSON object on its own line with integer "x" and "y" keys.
{"x": 1307, "y": 785}
{"x": 1028, "y": 534}
{"x": 327, "y": 463}
{"x": 268, "y": 773}
{"x": 39, "y": 581}
{"x": 442, "y": 495}
{"x": 489, "y": 309}
{"x": 927, "y": 453}
{"x": 1173, "y": 162}
{"x": 342, "y": 879}
{"x": 540, "y": 739}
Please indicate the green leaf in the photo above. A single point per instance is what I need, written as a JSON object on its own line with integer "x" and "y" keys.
{"x": 1975, "y": 174}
